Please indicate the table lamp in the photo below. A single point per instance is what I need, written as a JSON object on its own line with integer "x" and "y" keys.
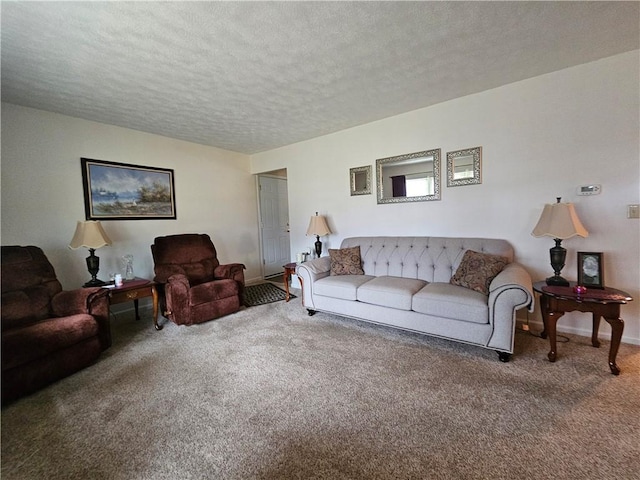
{"x": 559, "y": 221}
{"x": 318, "y": 227}
{"x": 90, "y": 235}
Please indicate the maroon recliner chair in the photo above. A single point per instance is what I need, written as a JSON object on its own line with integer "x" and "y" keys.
{"x": 192, "y": 284}
{"x": 47, "y": 333}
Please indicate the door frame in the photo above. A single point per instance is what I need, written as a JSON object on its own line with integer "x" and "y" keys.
{"x": 270, "y": 174}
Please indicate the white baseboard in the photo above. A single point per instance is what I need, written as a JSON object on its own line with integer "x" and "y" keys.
{"x": 584, "y": 332}
{"x": 253, "y": 281}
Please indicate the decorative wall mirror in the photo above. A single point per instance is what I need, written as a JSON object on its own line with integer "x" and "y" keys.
{"x": 360, "y": 179}
{"x": 464, "y": 167}
{"x": 413, "y": 177}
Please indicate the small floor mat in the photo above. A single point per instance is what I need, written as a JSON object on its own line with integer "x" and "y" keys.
{"x": 263, "y": 293}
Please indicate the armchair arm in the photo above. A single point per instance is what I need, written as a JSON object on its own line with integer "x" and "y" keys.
{"x": 233, "y": 271}
{"x": 509, "y": 291}
{"x": 309, "y": 272}
{"x": 176, "y": 292}
{"x": 92, "y": 301}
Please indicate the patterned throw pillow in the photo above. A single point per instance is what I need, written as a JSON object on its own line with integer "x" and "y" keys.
{"x": 476, "y": 270}
{"x": 346, "y": 261}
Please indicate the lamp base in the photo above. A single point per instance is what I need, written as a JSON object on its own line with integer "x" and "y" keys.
{"x": 557, "y": 281}
{"x": 95, "y": 283}
{"x": 318, "y": 246}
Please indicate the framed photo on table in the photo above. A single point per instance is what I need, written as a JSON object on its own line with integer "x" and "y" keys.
{"x": 590, "y": 269}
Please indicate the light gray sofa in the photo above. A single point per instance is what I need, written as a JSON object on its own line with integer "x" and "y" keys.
{"x": 406, "y": 285}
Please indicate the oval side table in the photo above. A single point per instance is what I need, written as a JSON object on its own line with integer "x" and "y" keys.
{"x": 555, "y": 301}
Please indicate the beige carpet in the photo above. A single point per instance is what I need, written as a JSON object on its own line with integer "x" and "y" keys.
{"x": 273, "y": 393}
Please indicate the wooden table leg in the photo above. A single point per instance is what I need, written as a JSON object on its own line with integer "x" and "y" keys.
{"x": 594, "y": 334}
{"x": 286, "y": 285}
{"x": 135, "y": 305}
{"x": 154, "y": 293}
{"x": 550, "y": 319}
{"x": 617, "y": 326}
{"x": 544, "y": 307}
{"x": 550, "y": 328}
{"x": 287, "y": 274}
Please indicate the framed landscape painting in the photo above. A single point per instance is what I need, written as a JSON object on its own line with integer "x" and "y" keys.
{"x": 119, "y": 191}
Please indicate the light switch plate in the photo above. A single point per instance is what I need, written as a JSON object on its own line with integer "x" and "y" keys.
{"x": 633, "y": 211}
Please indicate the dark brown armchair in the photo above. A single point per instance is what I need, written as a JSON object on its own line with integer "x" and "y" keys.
{"x": 47, "y": 333}
{"x": 193, "y": 286}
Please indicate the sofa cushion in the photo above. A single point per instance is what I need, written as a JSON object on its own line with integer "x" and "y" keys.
{"x": 476, "y": 270}
{"x": 452, "y": 301}
{"x": 340, "y": 286}
{"x": 346, "y": 261}
{"x": 393, "y": 292}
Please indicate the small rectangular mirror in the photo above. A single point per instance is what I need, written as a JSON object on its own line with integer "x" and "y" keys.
{"x": 360, "y": 179}
{"x": 464, "y": 167}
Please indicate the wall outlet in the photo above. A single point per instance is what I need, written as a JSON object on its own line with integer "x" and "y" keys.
{"x": 633, "y": 211}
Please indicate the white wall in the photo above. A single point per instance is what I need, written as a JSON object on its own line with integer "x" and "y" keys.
{"x": 541, "y": 138}
{"x": 42, "y": 195}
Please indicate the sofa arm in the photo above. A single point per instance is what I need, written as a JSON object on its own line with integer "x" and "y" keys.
{"x": 92, "y": 301}
{"x": 509, "y": 291}
{"x": 309, "y": 272}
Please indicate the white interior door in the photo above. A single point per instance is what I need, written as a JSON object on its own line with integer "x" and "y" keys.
{"x": 274, "y": 223}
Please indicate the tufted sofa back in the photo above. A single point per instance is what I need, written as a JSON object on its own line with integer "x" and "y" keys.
{"x": 433, "y": 259}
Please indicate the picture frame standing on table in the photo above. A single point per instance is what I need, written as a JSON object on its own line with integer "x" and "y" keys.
{"x": 590, "y": 269}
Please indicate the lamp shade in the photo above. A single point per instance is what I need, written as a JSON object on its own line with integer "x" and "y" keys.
{"x": 89, "y": 234}
{"x": 318, "y": 226}
{"x": 559, "y": 220}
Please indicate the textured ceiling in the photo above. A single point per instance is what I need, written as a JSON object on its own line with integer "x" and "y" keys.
{"x": 253, "y": 76}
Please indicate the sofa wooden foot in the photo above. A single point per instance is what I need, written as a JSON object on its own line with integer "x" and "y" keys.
{"x": 504, "y": 356}
{"x": 311, "y": 312}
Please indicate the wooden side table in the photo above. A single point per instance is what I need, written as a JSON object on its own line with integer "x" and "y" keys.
{"x": 134, "y": 290}
{"x": 555, "y": 301}
{"x": 289, "y": 269}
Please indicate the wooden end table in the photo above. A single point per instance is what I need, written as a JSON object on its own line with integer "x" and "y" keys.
{"x": 289, "y": 269}
{"x": 555, "y": 301}
{"x": 134, "y": 290}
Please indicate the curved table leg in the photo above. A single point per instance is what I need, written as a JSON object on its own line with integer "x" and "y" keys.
{"x": 288, "y": 271}
{"x": 154, "y": 292}
{"x": 550, "y": 319}
{"x": 617, "y": 326}
{"x": 550, "y": 328}
{"x": 544, "y": 307}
